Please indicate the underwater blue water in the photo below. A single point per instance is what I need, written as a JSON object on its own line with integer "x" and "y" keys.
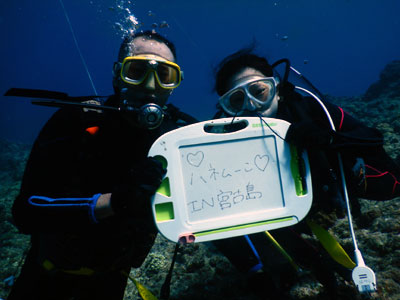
{"x": 340, "y": 45}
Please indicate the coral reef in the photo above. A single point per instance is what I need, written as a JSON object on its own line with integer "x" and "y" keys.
{"x": 388, "y": 84}
{"x": 201, "y": 272}
{"x": 12, "y": 244}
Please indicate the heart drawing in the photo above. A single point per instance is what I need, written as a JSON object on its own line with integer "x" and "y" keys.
{"x": 195, "y": 159}
{"x": 261, "y": 161}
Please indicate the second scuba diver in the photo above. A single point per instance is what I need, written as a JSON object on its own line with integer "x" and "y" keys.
{"x": 248, "y": 86}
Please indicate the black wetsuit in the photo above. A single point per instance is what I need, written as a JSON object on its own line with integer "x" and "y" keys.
{"x": 69, "y": 166}
{"x": 353, "y": 140}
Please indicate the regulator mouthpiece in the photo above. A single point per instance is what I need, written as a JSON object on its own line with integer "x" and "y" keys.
{"x": 150, "y": 115}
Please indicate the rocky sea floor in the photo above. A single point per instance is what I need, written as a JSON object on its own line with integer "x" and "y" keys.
{"x": 201, "y": 272}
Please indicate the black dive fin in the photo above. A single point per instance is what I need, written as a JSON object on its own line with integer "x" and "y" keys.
{"x": 62, "y": 103}
{"x": 45, "y": 94}
{"x": 36, "y": 94}
{"x": 57, "y": 99}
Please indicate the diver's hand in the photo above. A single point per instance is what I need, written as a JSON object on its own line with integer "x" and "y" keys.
{"x": 309, "y": 135}
{"x": 147, "y": 175}
{"x": 132, "y": 198}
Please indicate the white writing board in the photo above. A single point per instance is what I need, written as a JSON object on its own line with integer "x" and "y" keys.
{"x": 223, "y": 184}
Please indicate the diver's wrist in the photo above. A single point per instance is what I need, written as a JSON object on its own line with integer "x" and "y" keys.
{"x": 103, "y": 207}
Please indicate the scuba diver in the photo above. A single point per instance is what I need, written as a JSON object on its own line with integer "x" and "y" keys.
{"x": 249, "y": 86}
{"x": 85, "y": 194}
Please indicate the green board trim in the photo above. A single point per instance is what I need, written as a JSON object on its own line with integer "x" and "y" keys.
{"x": 164, "y": 188}
{"x": 164, "y": 211}
{"x": 296, "y": 164}
{"x": 262, "y": 124}
{"x": 225, "y": 229}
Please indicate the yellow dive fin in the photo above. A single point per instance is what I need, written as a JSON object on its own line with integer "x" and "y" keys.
{"x": 331, "y": 245}
{"x": 143, "y": 291}
{"x": 283, "y": 251}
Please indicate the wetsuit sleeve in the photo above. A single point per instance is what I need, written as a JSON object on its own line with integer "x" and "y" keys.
{"x": 380, "y": 173}
{"x": 350, "y": 133}
{"x": 382, "y": 176}
{"x": 51, "y": 198}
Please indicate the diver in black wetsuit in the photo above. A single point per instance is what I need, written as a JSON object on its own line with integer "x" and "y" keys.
{"x": 248, "y": 86}
{"x": 85, "y": 195}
